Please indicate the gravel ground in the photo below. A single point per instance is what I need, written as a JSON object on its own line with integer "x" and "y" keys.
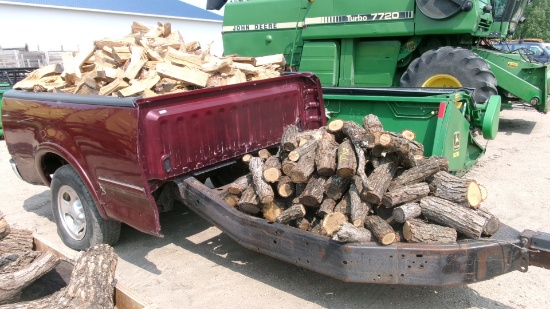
{"x": 197, "y": 266}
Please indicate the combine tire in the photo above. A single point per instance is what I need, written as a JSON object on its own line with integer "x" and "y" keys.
{"x": 452, "y": 67}
{"x": 78, "y": 221}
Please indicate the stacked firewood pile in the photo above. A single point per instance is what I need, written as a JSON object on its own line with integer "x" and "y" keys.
{"x": 91, "y": 284}
{"x": 352, "y": 182}
{"x": 148, "y": 62}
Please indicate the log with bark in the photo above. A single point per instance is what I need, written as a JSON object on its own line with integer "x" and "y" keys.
{"x": 351, "y": 233}
{"x": 263, "y": 189}
{"x": 325, "y": 159}
{"x": 379, "y": 181}
{"x": 292, "y": 213}
{"x": 405, "y": 194}
{"x": 406, "y": 212}
{"x": 347, "y": 163}
{"x": 418, "y": 231}
{"x": 240, "y": 184}
{"x": 380, "y": 229}
{"x": 456, "y": 189}
{"x": 312, "y": 195}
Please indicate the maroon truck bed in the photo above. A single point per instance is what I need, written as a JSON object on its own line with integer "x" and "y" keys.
{"x": 125, "y": 149}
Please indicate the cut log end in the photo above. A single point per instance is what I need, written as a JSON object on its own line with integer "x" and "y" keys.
{"x": 474, "y": 195}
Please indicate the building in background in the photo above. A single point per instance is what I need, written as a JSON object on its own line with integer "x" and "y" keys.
{"x": 64, "y": 25}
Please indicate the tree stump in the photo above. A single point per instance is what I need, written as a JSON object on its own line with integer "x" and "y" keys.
{"x": 263, "y": 189}
{"x": 405, "y": 194}
{"x": 381, "y": 229}
{"x": 465, "y": 220}
{"x": 287, "y": 166}
{"x": 420, "y": 232}
{"x": 350, "y": 233}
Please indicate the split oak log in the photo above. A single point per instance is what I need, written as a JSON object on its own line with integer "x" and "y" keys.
{"x": 312, "y": 195}
{"x": 272, "y": 169}
{"x": 304, "y": 168}
{"x": 380, "y": 229}
{"x": 272, "y": 210}
{"x": 406, "y": 212}
{"x": 325, "y": 158}
{"x": 419, "y": 173}
{"x": 351, "y": 233}
{"x": 347, "y": 163}
{"x": 419, "y": 232}
{"x": 11, "y": 284}
{"x": 332, "y": 223}
{"x": 263, "y": 189}
{"x": 249, "y": 201}
{"x": 285, "y": 187}
{"x": 379, "y": 181}
{"x": 336, "y": 186}
{"x": 465, "y": 220}
{"x": 358, "y": 208}
{"x": 240, "y": 184}
{"x": 292, "y": 213}
{"x": 327, "y": 207}
{"x": 405, "y": 194}
{"x": 456, "y": 189}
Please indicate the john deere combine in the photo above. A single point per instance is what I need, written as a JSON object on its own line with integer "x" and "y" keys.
{"x": 409, "y": 43}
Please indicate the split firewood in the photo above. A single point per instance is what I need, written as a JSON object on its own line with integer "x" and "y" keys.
{"x": 249, "y": 201}
{"x": 406, "y": 212}
{"x": 230, "y": 198}
{"x": 420, "y": 232}
{"x": 465, "y": 220}
{"x": 416, "y": 174}
{"x": 263, "y": 189}
{"x": 325, "y": 159}
{"x": 456, "y": 189}
{"x": 405, "y": 194}
{"x": 347, "y": 163}
{"x": 307, "y": 147}
{"x": 380, "y": 229}
{"x": 304, "y": 168}
{"x": 272, "y": 210}
{"x": 332, "y": 223}
{"x": 372, "y": 124}
{"x": 336, "y": 186}
{"x": 240, "y": 184}
{"x": 379, "y": 181}
{"x": 285, "y": 187}
{"x": 350, "y": 233}
{"x": 312, "y": 195}
{"x": 358, "y": 208}
{"x": 493, "y": 223}
{"x": 272, "y": 169}
{"x": 11, "y": 284}
{"x": 327, "y": 207}
{"x": 292, "y": 213}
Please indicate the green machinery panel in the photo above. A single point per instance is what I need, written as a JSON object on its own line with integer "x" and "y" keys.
{"x": 323, "y": 59}
{"x": 435, "y": 118}
{"x": 3, "y": 88}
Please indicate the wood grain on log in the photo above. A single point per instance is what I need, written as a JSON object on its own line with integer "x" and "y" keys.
{"x": 249, "y": 201}
{"x": 304, "y": 168}
{"x": 285, "y": 187}
{"x": 263, "y": 189}
{"x": 240, "y": 184}
{"x": 312, "y": 195}
{"x": 292, "y": 213}
{"x": 493, "y": 223}
{"x": 420, "y": 232}
{"x": 347, "y": 163}
{"x": 307, "y": 147}
{"x": 465, "y": 220}
{"x": 372, "y": 123}
{"x": 4, "y": 226}
{"x": 420, "y": 173}
{"x": 272, "y": 169}
{"x": 17, "y": 241}
{"x": 456, "y": 189}
{"x": 230, "y": 198}
{"x": 272, "y": 210}
{"x": 379, "y": 181}
{"x": 289, "y": 139}
{"x": 381, "y": 229}
{"x": 405, "y": 194}
{"x": 358, "y": 208}
{"x": 357, "y": 134}
{"x": 332, "y": 223}
{"x": 336, "y": 186}
{"x": 325, "y": 159}
{"x": 350, "y": 233}
{"x": 327, "y": 207}
{"x": 406, "y": 212}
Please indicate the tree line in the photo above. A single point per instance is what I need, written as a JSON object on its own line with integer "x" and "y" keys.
{"x": 537, "y": 23}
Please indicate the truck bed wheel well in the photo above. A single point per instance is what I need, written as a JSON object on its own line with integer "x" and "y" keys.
{"x": 50, "y": 163}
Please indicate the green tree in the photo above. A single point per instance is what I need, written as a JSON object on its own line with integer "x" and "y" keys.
{"x": 537, "y": 23}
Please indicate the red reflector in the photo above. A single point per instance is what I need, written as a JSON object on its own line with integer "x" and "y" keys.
{"x": 442, "y": 106}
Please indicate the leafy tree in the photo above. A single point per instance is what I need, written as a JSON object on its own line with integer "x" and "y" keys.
{"x": 537, "y": 24}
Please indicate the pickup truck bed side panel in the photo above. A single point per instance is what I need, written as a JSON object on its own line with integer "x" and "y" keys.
{"x": 97, "y": 138}
{"x": 190, "y": 131}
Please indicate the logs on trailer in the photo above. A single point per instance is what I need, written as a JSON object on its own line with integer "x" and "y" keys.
{"x": 341, "y": 187}
{"x": 148, "y": 62}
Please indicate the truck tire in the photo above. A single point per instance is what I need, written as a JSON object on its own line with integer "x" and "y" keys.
{"x": 452, "y": 67}
{"x": 78, "y": 221}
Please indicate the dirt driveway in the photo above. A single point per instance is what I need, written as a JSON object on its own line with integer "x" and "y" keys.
{"x": 197, "y": 266}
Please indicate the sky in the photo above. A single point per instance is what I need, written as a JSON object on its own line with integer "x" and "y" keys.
{"x": 202, "y": 4}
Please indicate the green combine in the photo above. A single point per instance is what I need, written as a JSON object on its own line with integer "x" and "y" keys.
{"x": 364, "y": 52}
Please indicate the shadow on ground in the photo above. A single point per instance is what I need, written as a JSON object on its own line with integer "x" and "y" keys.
{"x": 519, "y": 126}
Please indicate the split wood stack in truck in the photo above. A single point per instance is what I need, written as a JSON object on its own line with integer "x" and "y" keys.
{"x": 110, "y": 160}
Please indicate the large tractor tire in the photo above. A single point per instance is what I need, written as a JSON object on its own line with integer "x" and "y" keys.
{"x": 452, "y": 67}
{"x": 78, "y": 221}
